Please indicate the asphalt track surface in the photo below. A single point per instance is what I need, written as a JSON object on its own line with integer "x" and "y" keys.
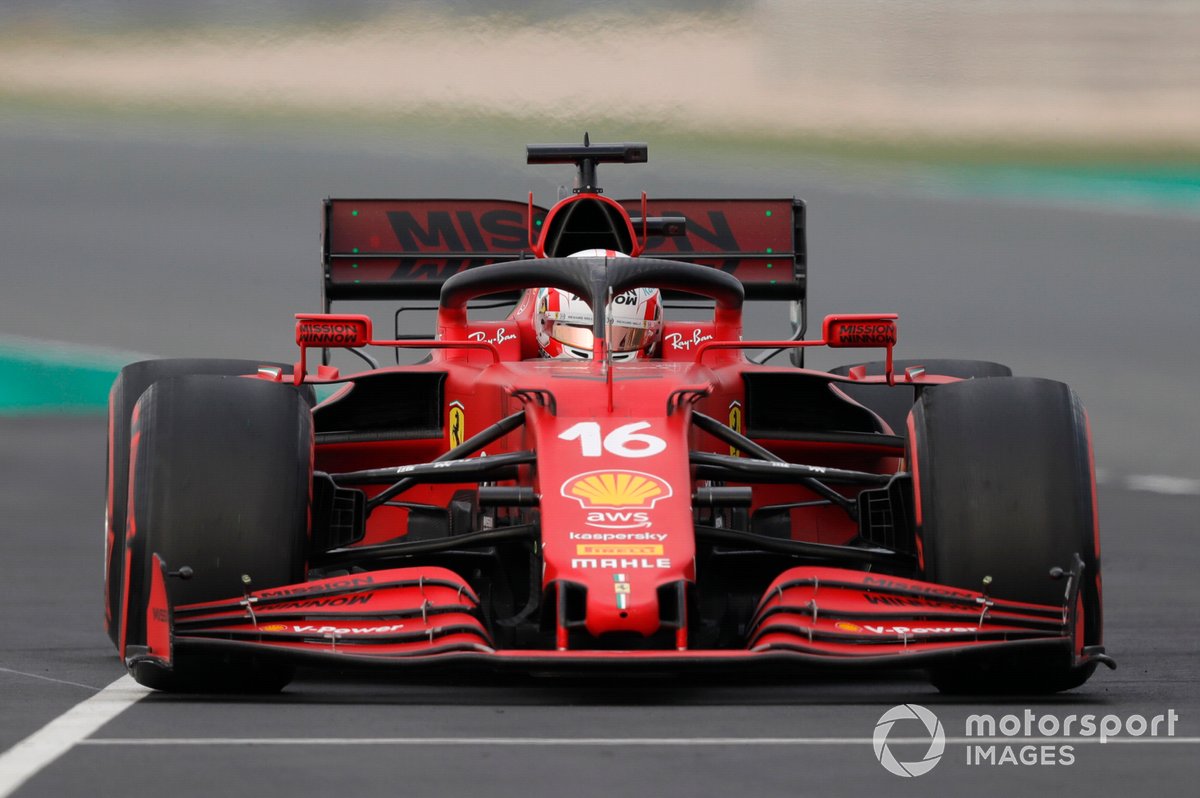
{"x": 196, "y": 247}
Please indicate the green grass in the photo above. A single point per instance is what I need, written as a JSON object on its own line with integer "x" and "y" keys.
{"x": 40, "y": 378}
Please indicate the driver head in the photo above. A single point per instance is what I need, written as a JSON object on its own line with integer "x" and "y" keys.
{"x": 563, "y": 321}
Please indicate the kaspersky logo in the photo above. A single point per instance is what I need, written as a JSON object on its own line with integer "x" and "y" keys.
{"x": 616, "y": 490}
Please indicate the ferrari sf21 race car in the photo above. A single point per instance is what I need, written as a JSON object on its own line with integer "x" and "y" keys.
{"x": 693, "y": 507}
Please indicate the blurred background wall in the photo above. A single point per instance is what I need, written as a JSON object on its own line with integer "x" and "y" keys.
{"x": 1101, "y": 72}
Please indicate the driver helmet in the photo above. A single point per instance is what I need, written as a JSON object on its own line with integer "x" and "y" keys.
{"x": 563, "y": 320}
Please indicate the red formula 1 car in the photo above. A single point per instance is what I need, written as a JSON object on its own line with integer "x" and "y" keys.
{"x": 688, "y": 506}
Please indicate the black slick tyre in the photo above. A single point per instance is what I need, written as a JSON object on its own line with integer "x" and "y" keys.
{"x": 222, "y": 471}
{"x": 129, "y": 386}
{"x": 1003, "y": 476}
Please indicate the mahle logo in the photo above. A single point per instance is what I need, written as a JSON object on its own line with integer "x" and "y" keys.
{"x": 933, "y": 727}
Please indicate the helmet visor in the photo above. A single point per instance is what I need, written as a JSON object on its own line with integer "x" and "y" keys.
{"x": 621, "y": 338}
{"x": 572, "y": 335}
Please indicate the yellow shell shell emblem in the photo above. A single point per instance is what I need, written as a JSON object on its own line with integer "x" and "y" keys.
{"x": 616, "y": 489}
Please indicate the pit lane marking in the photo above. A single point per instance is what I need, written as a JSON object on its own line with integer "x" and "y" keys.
{"x": 607, "y": 741}
{"x": 27, "y": 758}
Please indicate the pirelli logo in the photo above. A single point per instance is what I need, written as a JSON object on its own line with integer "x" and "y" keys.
{"x": 619, "y": 550}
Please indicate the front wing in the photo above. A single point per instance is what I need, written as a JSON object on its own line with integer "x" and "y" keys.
{"x": 810, "y": 617}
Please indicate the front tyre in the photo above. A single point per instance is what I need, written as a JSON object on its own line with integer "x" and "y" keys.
{"x": 1002, "y": 470}
{"x": 129, "y": 386}
{"x": 220, "y": 481}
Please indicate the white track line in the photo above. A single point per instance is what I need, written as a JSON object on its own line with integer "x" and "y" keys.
{"x": 1163, "y": 484}
{"x": 1160, "y": 483}
{"x": 93, "y": 688}
{"x": 25, "y": 759}
{"x": 607, "y": 741}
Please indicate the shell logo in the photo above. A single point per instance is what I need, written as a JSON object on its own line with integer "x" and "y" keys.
{"x": 275, "y": 627}
{"x": 616, "y": 489}
{"x": 846, "y": 626}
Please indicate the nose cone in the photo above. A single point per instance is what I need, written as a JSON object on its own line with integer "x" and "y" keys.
{"x": 616, "y": 515}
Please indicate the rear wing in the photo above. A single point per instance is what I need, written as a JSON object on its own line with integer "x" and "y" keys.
{"x": 398, "y": 249}
{"x": 406, "y": 249}
{"x": 759, "y": 241}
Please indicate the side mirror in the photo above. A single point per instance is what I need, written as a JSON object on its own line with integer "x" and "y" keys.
{"x": 859, "y": 330}
{"x": 341, "y": 330}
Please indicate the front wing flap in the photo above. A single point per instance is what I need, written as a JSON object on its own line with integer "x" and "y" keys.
{"x": 839, "y": 613}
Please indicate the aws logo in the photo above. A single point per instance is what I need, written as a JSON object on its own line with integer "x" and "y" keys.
{"x": 616, "y": 490}
{"x": 618, "y": 519}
